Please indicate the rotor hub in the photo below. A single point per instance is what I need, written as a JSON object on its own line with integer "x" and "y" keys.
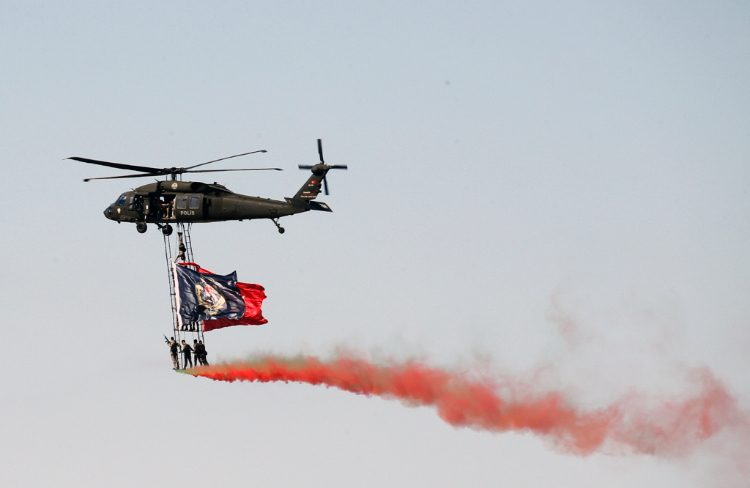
{"x": 320, "y": 169}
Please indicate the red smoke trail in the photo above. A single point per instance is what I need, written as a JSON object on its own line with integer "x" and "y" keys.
{"x": 465, "y": 400}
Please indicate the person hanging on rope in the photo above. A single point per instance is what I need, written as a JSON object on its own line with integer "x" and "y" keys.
{"x": 198, "y": 353}
{"x": 197, "y": 349}
{"x": 186, "y": 354}
{"x": 203, "y": 353}
{"x": 174, "y": 350}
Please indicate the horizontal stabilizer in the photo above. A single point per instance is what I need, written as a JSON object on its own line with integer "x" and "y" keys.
{"x": 323, "y": 207}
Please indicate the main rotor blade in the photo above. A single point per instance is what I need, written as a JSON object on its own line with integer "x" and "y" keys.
{"x": 130, "y": 167}
{"x": 228, "y": 157}
{"x": 325, "y": 185}
{"x": 118, "y": 177}
{"x": 320, "y": 150}
{"x": 221, "y": 170}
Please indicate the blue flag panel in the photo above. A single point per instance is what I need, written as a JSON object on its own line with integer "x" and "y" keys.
{"x": 203, "y": 296}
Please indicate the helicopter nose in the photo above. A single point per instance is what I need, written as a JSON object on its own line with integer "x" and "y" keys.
{"x": 108, "y": 212}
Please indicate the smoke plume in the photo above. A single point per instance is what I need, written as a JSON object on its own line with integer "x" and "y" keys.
{"x": 465, "y": 398}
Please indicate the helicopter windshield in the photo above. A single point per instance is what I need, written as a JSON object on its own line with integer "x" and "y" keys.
{"x": 121, "y": 201}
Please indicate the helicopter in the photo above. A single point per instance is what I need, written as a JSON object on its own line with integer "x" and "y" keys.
{"x": 170, "y": 201}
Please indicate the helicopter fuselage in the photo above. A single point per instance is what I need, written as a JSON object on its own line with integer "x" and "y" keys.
{"x": 167, "y": 202}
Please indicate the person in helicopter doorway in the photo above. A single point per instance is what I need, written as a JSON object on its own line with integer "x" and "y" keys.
{"x": 186, "y": 354}
{"x": 174, "y": 351}
{"x": 161, "y": 208}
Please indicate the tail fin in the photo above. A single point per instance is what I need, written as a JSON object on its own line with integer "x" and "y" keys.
{"x": 309, "y": 190}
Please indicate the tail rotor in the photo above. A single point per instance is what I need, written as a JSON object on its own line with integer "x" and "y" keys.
{"x": 321, "y": 169}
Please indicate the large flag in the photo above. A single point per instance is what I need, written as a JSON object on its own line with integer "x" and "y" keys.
{"x": 252, "y": 295}
{"x": 205, "y": 296}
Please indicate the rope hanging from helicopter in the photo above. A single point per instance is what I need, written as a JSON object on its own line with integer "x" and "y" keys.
{"x": 184, "y": 253}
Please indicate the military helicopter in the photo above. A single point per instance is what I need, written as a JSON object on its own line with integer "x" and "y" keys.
{"x": 171, "y": 201}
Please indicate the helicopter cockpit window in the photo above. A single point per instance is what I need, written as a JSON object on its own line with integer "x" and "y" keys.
{"x": 121, "y": 201}
{"x": 194, "y": 202}
{"x": 182, "y": 202}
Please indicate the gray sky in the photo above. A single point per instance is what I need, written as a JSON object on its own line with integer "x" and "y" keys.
{"x": 548, "y": 187}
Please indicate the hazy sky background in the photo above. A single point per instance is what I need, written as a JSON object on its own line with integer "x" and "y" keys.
{"x": 543, "y": 186}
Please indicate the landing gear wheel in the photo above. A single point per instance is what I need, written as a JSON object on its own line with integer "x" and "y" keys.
{"x": 167, "y": 230}
{"x": 281, "y": 230}
{"x": 276, "y": 222}
{"x": 141, "y": 227}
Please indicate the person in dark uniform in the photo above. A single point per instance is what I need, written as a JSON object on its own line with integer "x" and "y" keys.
{"x": 186, "y": 354}
{"x": 196, "y": 353}
{"x": 203, "y": 353}
{"x": 174, "y": 349}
